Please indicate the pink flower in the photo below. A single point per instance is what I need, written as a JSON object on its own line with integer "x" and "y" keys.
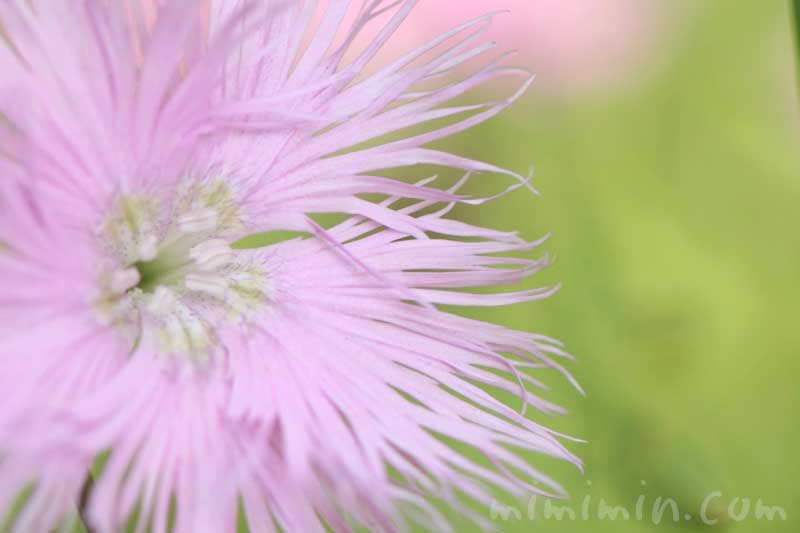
{"x": 311, "y": 381}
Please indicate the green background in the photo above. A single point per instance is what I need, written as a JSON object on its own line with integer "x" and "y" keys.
{"x": 674, "y": 204}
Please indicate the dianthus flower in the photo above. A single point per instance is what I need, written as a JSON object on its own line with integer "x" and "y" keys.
{"x": 157, "y": 376}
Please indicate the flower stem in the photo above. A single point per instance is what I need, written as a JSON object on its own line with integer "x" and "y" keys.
{"x": 796, "y": 24}
{"x": 83, "y": 502}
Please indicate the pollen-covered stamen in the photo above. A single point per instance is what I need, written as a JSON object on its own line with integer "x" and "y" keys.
{"x": 177, "y": 275}
{"x": 212, "y": 254}
{"x": 207, "y": 282}
{"x": 161, "y": 302}
{"x": 177, "y": 329}
{"x": 199, "y": 220}
{"x": 131, "y": 227}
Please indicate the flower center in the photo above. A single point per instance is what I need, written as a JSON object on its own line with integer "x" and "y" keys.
{"x": 177, "y": 276}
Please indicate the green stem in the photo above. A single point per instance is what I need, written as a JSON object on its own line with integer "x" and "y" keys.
{"x": 796, "y": 22}
{"x": 83, "y": 503}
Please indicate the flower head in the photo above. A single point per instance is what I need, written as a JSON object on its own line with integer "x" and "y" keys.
{"x": 313, "y": 382}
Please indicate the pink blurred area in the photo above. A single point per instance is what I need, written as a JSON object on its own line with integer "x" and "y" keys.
{"x": 571, "y": 45}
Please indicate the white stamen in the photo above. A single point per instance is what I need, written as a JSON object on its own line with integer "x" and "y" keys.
{"x": 148, "y": 248}
{"x": 122, "y": 280}
{"x": 246, "y": 279}
{"x": 162, "y": 301}
{"x": 207, "y": 282}
{"x": 196, "y": 332}
{"x": 236, "y": 302}
{"x": 175, "y": 336}
{"x": 198, "y": 220}
{"x": 211, "y": 254}
{"x": 190, "y": 274}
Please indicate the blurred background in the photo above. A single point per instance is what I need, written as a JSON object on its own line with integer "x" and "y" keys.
{"x": 666, "y": 142}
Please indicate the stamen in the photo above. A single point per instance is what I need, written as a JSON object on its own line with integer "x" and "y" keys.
{"x": 122, "y": 280}
{"x": 211, "y": 254}
{"x": 207, "y": 282}
{"x": 199, "y": 220}
{"x": 162, "y": 301}
{"x": 148, "y": 248}
{"x": 174, "y": 336}
{"x": 177, "y": 275}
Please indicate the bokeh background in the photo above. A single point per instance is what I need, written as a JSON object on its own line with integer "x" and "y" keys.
{"x": 670, "y": 179}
